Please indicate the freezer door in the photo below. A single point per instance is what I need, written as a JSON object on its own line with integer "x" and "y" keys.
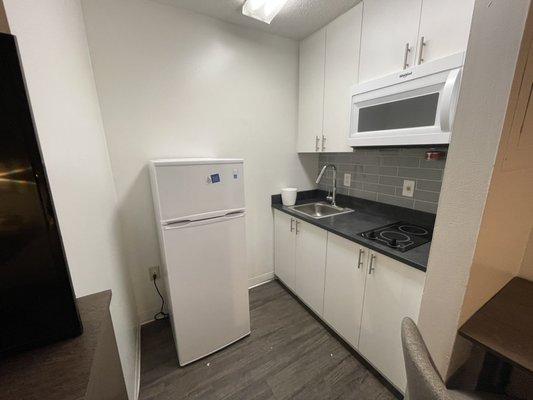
{"x": 188, "y": 190}
{"x": 208, "y": 284}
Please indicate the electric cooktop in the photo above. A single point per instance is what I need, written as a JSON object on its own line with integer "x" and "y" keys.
{"x": 401, "y": 236}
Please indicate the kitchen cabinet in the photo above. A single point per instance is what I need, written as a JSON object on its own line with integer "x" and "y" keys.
{"x": 310, "y": 264}
{"x": 444, "y": 28}
{"x": 398, "y": 34}
{"x": 345, "y": 287}
{"x": 300, "y": 258}
{"x": 311, "y": 99}
{"x": 343, "y": 37}
{"x": 284, "y": 242}
{"x": 392, "y": 292}
{"x": 362, "y": 294}
{"x": 329, "y": 63}
{"x": 389, "y": 36}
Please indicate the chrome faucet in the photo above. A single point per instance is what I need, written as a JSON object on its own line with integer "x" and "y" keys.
{"x": 334, "y": 191}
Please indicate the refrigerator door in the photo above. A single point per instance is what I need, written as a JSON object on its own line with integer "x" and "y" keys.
{"x": 196, "y": 188}
{"x": 207, "y": 284}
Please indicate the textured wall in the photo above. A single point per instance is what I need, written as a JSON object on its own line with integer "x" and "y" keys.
{"x": 4, "y": 25}
{"x": 495, "y": 37}
{"x": 378, "y": 174}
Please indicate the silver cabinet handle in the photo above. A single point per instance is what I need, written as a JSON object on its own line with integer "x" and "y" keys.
{"x": 360, "y": 261}
{"x": 421, "y": 51}
{"x": 297, "y": 230}
{"x": 317, "y": 140}
{"x": 323, "y": 142}
{"x": 406, "y": 55}
{"x": 371, "y": 268}
{"x": 292, "y": 221}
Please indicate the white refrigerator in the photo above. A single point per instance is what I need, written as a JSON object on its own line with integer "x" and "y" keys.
{"x": 199, "y": 208}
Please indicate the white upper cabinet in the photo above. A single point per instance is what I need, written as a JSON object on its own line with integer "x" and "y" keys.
{"x": 345, "y": 287}
{"x": 444, "y": 28}
{"x": 311, "y": 103}
{"x": 393, "y": 291}
{"x": 390, "y": 28}
{"x": 285, "y": 246}
{"x": 329, "y": 64}
{"x": 343, "y": 38}
{"x": 431, "y": 29}
{"x": 310, "y": 264}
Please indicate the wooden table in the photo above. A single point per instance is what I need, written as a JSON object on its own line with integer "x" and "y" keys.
{"x": 504, "y": 325}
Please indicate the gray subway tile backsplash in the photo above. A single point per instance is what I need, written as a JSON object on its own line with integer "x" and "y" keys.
{"x": 378, "y": 174}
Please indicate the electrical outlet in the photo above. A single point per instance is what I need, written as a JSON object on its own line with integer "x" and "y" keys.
{"x": 154, "y": 271}
{"x": 347, "y": 179}
{"x": 408, "y": 188}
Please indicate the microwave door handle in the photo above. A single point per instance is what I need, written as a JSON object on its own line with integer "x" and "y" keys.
{"x": 449, "y": 96}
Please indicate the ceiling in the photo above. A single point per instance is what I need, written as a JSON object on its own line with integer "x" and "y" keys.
{"x": 297, "y": 20}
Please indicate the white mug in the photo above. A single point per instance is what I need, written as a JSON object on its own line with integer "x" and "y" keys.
{"x": 288, "y": 196}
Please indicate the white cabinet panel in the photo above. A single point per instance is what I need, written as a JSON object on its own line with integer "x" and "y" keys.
{"x": 284, "y": 248}
{"x": 343, "y": 37}
{"x": 311, "y": 102}
{"x": 388, "y": 25}
{"x": 345, "y": 287}
{"x": 310, "y": 265}
{"x": 393, "y": 291}
{"x": 445, "y": 26}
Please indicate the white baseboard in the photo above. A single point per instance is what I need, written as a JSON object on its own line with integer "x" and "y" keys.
{"x": 137, "y": 391}
{"x": 260, "y": 280}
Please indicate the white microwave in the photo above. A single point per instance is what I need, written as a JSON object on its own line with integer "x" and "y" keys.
{"x": 413, "y": 107}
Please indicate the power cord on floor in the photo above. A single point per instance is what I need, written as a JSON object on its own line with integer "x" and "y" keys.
{"x": 161, "y": 314}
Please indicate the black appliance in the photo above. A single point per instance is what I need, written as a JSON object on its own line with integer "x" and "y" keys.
{"x": 37, "y": 303}
{"x": 401, "y": 236}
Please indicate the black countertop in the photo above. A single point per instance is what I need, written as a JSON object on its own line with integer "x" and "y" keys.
{"x": 367, "y": 215}
{"x": 60, "y": 370}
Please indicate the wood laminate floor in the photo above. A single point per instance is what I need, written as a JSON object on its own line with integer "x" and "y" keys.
{"x": 289, "y": 355}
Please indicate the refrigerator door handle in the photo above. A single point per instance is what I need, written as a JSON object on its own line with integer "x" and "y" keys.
{"x": 187, "y": 223}
{"x": 201, "y": 216}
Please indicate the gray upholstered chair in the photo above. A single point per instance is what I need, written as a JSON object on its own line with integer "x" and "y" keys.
{"x": 423, "y": 380}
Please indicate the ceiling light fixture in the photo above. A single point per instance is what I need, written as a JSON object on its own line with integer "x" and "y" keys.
{"x": 263, "y": 10}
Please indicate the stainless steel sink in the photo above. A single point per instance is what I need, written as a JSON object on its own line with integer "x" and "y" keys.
{"x": 320, "y": 210}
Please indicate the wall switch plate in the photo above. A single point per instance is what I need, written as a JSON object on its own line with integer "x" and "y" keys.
{"x": 408, "y": 188}
{"x": 347, "y": 179}
{"x": 154, "y": 271}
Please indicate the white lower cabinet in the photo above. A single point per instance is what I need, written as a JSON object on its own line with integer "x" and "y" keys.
{"x": 300, "y": 258}
{"x": 363, "y": 295}
{"x": 284, "y": 245}
{"x": 345, "y": 287}
{"x": 393, "y": 291}
{"x": 310, "y": 264}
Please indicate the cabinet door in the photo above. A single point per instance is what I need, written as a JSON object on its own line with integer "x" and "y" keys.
{"x": 311, "y": 103}
{"x": 343, "y": 38}
{"x": 311, "y": 265}
{"x": 393, "y": 291}
{"x": 445, "y": 26}
{"x": 388, "y": 25}
{"x": 345, "y": 287}
{"x": 284, "y": 247}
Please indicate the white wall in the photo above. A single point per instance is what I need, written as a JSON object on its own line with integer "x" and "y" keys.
{"x": 55, "y": 56}
{"x": 492, "y": 53}
{"x": 173, "y": 83}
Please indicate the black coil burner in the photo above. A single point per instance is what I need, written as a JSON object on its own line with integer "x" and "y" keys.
{"x": 401, "y": 236}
